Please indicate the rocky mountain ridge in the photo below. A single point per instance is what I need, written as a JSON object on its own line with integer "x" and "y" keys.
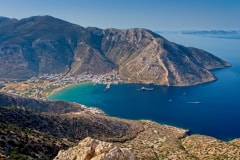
{"x": 47, "y": 45}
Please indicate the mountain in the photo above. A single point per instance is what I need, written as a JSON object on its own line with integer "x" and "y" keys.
{"x": 33, "y": 129}
{"x": 44, "y": 45}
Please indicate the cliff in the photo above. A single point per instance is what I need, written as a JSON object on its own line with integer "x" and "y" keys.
{"x": 45, "y": 45}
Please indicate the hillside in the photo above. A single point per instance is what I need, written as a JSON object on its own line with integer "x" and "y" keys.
{"x": 39, "y": 129}
{"x": 46, "y": 45}
{"x": 28, "y": 132}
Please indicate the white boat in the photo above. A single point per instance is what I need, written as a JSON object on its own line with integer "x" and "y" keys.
{"x": 146, "y": 89}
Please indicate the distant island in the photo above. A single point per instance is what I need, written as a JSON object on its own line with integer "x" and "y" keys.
{"x": 234, "y": 34}
{"x": 44, "y": 45}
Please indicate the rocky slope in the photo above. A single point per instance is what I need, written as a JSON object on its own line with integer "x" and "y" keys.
{"x": 156, "y": 142}
{"x": 43, "y": 44}
{"x": 39, "y": 129}
{"x": 29, "y": 132}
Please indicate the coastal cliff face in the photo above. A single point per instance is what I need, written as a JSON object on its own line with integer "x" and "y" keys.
{"x": 43, "y": 44}
{"x": 29, "y": 132}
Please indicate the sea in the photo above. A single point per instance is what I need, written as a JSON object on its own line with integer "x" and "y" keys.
{"x": 211, "y": 109}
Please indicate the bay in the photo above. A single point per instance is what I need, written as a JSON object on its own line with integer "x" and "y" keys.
{"x": 217, "y": 114}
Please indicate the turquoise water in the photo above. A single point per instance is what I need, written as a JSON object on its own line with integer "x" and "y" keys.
{"x": 217, "y": 115}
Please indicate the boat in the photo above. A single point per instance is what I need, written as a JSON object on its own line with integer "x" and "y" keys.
{"x": 107, "y": 87}
{"x": 146, "y": 89}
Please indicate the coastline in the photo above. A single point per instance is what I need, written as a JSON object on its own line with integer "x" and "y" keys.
{"x": 65, "y": 86}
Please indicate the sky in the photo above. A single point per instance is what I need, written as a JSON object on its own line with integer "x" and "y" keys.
{"x": 157, "y": 15}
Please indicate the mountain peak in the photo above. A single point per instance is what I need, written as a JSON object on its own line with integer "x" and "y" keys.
{"x": 43, "y": 19}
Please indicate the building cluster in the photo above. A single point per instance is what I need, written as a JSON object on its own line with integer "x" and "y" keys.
{"x": 40, "y": 87}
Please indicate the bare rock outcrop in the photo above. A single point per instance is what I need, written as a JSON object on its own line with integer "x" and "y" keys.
{"x": 92, "y": 149}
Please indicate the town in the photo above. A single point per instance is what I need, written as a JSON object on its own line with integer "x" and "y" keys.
{"x": 41, "y": 87}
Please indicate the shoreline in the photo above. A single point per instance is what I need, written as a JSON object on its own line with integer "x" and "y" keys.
{"x": 45, "y": 85}
{"x": 56, "y": 89}
{"x": 65, "y": 86}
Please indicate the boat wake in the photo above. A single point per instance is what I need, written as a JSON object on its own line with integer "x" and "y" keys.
{"x": 145, "y": 89}
{"x": 195, "y": 102}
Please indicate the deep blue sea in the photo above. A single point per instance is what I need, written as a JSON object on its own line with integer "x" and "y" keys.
{"x": 217, "y": 115}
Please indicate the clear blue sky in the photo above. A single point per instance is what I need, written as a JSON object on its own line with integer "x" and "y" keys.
{"x": 151, "y": 14}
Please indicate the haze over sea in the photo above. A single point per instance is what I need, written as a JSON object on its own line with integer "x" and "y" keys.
{"x": 217, "y": 115}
